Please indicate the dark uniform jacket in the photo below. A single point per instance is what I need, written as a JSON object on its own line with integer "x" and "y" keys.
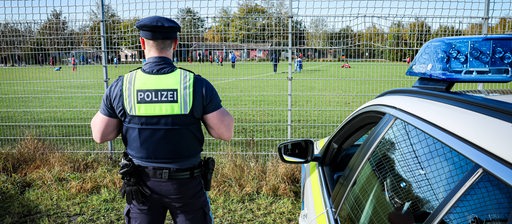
{"x": 164, "y": 141}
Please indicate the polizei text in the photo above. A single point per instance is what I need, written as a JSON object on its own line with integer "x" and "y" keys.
{"x": 157, "y": 96}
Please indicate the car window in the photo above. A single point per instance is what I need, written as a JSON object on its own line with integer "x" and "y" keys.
{"x": 406, "y": 176}
{"x": 487, "y": 201}
{"x": 341, "y": 159}
{"x": 345, "y": 144}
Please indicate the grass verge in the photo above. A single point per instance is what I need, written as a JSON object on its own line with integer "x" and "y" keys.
{"x": 38, "y": 184}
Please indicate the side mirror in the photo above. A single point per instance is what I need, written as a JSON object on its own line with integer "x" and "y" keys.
{"x": 296, "y": 151}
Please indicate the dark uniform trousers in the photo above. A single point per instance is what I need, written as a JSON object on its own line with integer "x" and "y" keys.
{"x": 184, "y": 198}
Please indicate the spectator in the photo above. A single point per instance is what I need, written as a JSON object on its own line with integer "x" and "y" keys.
{"x": 298, "y": 64}
{"x": 73, "y": 63}
{"x": 233, "y": 60}
{"x": 275, "y": 61}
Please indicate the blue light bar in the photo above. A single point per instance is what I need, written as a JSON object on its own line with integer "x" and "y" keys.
{"x": 465, "y": 59}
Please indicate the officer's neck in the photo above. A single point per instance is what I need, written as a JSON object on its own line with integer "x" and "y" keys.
{"x": 155, "y": 53}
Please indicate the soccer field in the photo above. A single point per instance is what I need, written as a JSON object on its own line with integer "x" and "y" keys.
{"x": 58, "y": 105}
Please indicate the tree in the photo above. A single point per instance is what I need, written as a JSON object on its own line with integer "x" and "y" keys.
{"x": 14, "y": 44}
{"x": 419, "y": 33}
{"x": 53, "y": 33}
{"x": 373, "y": 40}
{"x": 220, "y": 31}
{"x": 267, "y": 23}
{"x": 298, "y": 33}
{"x": 343, "y": 41}
{"x": 504, "y": 25}
{"x": 446, "y": 31}
{"x": 397, "y": 47}
{"x": 193, "y": 26}
{"x": 254, "y": 23}
{"x": 128, "y": 36}
{"x": 250, "y": 24}
{"x": 114, "y": 35}
{"x": 275, "y": 25}
{"x": 53, "y": 37}
{"x": 193, "y": 29}
{"x": 473, "y": 29}
{"x": 317, "y": 36}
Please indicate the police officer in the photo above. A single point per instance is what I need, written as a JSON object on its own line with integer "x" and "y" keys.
{"x": 158, "y": 110}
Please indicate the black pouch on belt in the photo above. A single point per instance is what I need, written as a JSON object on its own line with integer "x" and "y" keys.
{"x": 134, "y": 188}
{"x": 207, "y": 166}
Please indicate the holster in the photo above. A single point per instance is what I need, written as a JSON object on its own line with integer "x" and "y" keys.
{"x": 127, "y": 165}
{"x": 133, "y": 188}
{"x": 207, "y": 166}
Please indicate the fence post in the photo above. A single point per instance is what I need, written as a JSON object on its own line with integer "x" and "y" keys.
{"x": 104, "y": 61}
{"x": 290, "y": 18}
{"x": 485, "y": 27}
{"x": 485, "y": 23}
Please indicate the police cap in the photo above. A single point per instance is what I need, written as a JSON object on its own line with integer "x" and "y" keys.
{"x": 158, "y": 28}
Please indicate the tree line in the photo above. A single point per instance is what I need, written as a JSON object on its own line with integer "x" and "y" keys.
{"x": 251, "y": 23}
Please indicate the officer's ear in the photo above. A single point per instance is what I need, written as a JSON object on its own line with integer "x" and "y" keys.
{"x": 142, "y": 43}
{"x": 175, "y": 44}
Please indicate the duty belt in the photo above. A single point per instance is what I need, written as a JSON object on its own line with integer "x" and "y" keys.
{"x": 172, "y": 173}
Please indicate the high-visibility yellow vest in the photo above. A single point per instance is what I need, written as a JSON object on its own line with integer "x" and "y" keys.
{"x": 157, "y": 95}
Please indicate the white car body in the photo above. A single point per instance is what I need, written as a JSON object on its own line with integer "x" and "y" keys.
{"x": 316, "y": 205}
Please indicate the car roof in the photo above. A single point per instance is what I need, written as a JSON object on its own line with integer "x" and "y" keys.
{"x": 483, "y": 120}
{"x": 504, "y": 95}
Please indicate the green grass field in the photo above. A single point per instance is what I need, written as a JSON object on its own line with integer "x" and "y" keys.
{"x": 58, "y": 105}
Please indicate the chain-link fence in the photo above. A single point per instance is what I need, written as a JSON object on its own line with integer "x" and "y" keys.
{"x": 351, "y": 51}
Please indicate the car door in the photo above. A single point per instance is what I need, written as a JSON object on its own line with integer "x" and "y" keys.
{"x": 319, "y": 176}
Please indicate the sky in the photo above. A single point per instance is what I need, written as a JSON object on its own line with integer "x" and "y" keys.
{"x": 337, "y": 13}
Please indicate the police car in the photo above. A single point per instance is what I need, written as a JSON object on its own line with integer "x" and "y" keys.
{"x": 426, "y": 154}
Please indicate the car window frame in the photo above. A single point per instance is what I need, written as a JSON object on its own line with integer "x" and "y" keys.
{"x": 345, "y": 133}
{"x": 483, "y": 161}
{"x": 355, "y": 165}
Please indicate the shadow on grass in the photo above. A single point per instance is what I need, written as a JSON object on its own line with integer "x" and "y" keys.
{"x": 15, "y": 207}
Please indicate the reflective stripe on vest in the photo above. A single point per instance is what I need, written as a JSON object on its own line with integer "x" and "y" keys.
{"x": 155, "y": 95}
